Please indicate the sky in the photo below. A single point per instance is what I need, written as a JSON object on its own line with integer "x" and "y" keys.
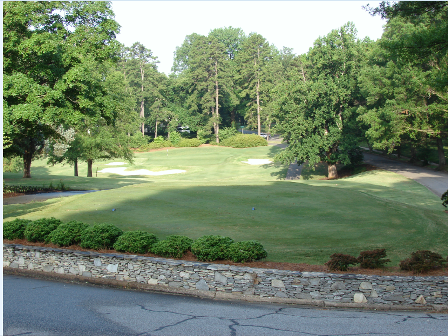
{"x": 162, "y": 25}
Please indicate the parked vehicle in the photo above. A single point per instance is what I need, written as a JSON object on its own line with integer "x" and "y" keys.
{"x": 183, "y": 129}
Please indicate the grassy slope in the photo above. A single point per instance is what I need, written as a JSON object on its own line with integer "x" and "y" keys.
{"x": 296, "y": 221}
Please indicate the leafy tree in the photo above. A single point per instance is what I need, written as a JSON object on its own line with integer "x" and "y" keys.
{"x": 141, "y": 73}
{"x": 45, "y": 46}
{"x": 415, "y": 41}
{"x": 95, "y": 138}
{"x": 232, "y": 39}
{"x": 205, "y": 77}
{"x": 317, "y": 110}
{"x": 252, "y": 59}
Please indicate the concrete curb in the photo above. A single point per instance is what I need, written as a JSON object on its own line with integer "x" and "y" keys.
{"x": 217, "y": 295}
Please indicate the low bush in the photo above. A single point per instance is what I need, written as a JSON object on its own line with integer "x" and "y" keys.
{"x": 340, "y": 262}
{"x": 12, "y": 165}
{"x": 157, "y": 143}
{"x": 373, "y": 259}
{"x": 138, "y": 140}
{"x": 244, "y": 141}
{"x": 67, "y": 234}
{"x": 189, "y": 143}
{"x": 175, "y": 137}
{"x": 39, "y": 230}
{"x": 135, "y": 242}
{"x": 422, "y": 262}
{"x": 205, "y": 135}
{"x": 227, "y": 132}
{"x": 444, "y": 199}
{"x": 173, "y": 246}
{"x": 209, "y": 248}
{"x": 100, "y": 236}
{"x": 15, "y": 229}
{"x": 245, "y": 251}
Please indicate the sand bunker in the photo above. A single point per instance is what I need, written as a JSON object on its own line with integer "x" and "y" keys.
{"x": 116, "y": 164}
{"x": 121, "y": 171}
{"x": 257, "y": 161}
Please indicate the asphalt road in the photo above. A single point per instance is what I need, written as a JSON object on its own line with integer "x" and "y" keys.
{"x": 47, "y": 308}
{"x": 435, "y": 181}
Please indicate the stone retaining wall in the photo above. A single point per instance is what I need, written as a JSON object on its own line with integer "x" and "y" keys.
{"x": 300, "y": 287}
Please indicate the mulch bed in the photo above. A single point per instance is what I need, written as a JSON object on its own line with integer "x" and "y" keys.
{"x": 255, "y": 264}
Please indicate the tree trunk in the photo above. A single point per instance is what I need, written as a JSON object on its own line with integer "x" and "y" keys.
{"x": 216, "y": 103}
{"x": 398, "y": 151}
{"x": 27, "y": 164}
{"x": 370, "y": 146}
{"x": 258, "y": 108}
{"x": 258, "y": 95}
{"x": 442, "y": 161}
{"x": 75, "y": 166}
{"x": 413, "y": 158}
{"x": 142, "y": 114}
{"x": 89, "y": 168}
{"x": 332, "y": 172}
{"x": 142, "y": 104}
{"x": 155, "y": 135}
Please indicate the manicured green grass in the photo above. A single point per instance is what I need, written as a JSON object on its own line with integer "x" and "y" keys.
{"x": 296, "y": 221}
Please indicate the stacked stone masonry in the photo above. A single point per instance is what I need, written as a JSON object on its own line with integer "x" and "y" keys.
{"x": 342, "y": 288}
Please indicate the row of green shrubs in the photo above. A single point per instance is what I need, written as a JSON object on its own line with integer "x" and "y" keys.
{"x": 235, "y": 141}
{"x": 106, "y": 236}
{"x": 32, "y": 189}
{"x": 419, "y": 262}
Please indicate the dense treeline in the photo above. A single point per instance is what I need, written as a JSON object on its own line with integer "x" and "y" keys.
{"x": 72, "y": 91}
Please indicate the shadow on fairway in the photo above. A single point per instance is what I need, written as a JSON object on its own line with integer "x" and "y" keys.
{"x": 295, "y": 222}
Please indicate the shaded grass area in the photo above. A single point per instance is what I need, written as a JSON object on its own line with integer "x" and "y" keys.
{"x": 297, "y": 221}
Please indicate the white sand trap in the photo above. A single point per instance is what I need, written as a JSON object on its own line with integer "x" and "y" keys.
{"x": 257, "y": 161}
{"x": 121, "y": 171}
{"x": 116, "y": 164}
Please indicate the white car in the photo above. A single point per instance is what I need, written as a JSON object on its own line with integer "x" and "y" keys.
{"x": 183, "y": 129}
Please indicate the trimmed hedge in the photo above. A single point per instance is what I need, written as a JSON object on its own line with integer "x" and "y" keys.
{"x": 68, "y": 233}
{"x": 15, "y": 229}
{"x": 172, "y": 247}
{"x": 246, "y": 251}
{"x": 340, "y": 262}
{"x": 189, "y": 143}
{"x": 39, "y": 230}
{"x": 422, "y": 262}
{"x": 100, "y": 236}
{"x": 244, "y": 141}
{"x": 209, "y": 248}
{"x": 373, "y": 259}
{"x": 135, "y": 242}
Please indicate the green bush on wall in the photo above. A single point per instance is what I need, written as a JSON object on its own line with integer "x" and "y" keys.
{"x": 135, "y": 242}
{"x": 189, "y": 143}
{"x": 100, "y": 236}
{"x": 172, "y": 247}
{"x": 209, "y": 248}
{"x": 68, "y": 233}
{"x": 244, "y": 141}
{"x": 15, "y": 229}
{"x": 245, "y": 251}
{"x": 39, "y": 230}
